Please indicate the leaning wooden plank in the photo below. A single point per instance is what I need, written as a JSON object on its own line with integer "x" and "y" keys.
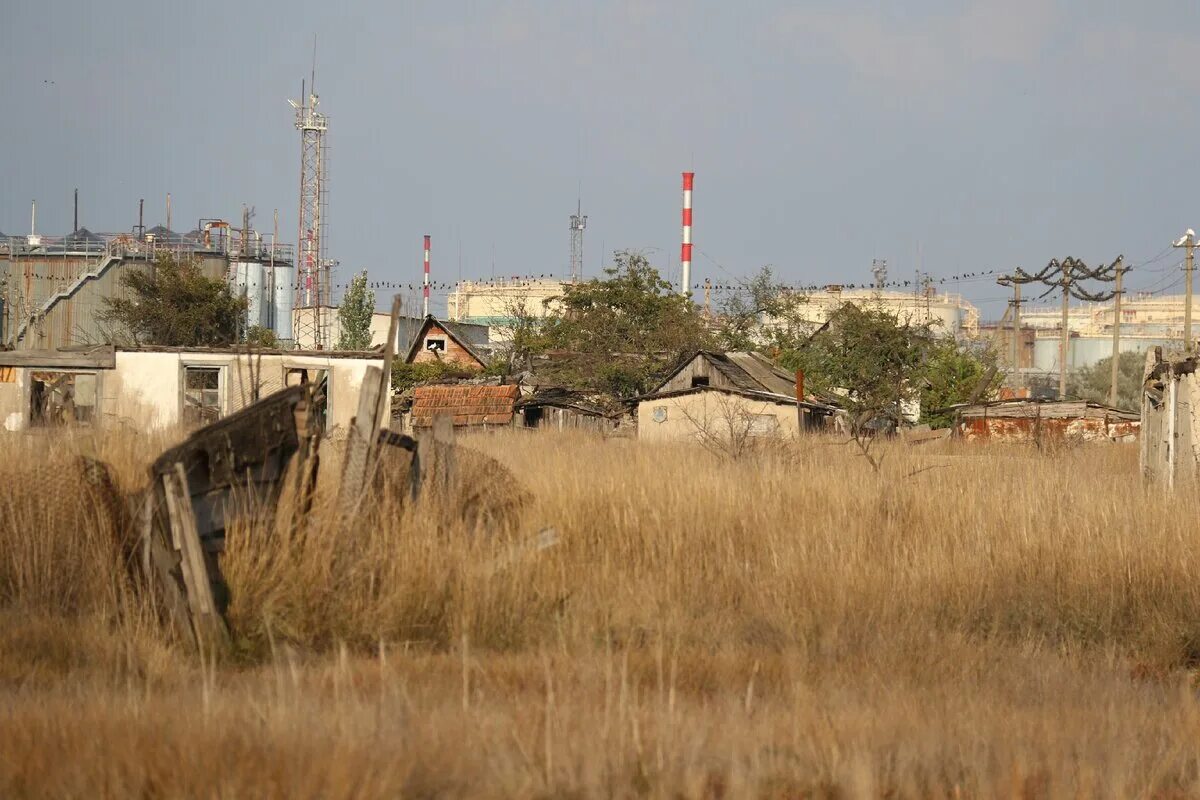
{"x": 443, "y": 440}
{"x": 158, "y": 566}
{"x": 364, "y": 429}
{"x": 196, "y": 578}
{"x": 389, "y": 352}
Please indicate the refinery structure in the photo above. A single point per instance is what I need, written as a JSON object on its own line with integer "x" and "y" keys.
{"x": 1147, "y": 321}
{"x": 54, "y": 287}
{"x": 949, "y": 314}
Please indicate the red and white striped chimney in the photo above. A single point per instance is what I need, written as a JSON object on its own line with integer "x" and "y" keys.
{"x": 685, "y": 252}
{"x": 426, "y": 275}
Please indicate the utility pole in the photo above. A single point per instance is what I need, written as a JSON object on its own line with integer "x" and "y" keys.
{"x": 1065, "y": 343}
{"x": 1016, "y": 342}
{"x": 1188, "y": 242}
{"x": 1116, "y": 351}
{"x": 1015, "y": 280}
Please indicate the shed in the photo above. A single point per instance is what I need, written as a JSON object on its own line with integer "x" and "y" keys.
{"x": 469, "y": 405}
{"x": 556, "y": 408}
{"x": 1032, "y": 420}
{"x": 438, "y": 340}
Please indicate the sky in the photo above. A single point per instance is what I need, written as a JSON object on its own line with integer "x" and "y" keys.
{"x": 954, "y": 137}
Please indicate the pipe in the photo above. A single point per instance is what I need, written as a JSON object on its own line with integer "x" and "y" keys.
{"x": 685, "y": 251}
{"x": 76, "y": 228}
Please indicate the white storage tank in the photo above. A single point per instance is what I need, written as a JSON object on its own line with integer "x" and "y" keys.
{"x": 248, "y": 282}
{"x": 283, "y": 289}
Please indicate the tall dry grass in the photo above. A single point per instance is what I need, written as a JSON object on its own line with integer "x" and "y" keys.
{"x": 966, "y": 621}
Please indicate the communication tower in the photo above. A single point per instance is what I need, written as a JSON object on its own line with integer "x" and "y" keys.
{"x": 313, "y": 281}
{"x": 578, "y": 223}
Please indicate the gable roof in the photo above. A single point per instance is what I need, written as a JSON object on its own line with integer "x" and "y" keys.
{"x": 469, "y": 405}
{"x": 461, "y": 335}
{"x": 748, "y": 371}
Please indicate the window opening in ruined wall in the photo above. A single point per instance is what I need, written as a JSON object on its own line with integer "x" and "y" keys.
{"x": 319, "y": 378}
{"x": 201, "y": 395}
{"x": 62, "y": 398}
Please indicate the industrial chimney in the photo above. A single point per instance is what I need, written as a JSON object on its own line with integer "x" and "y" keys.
{"x": 685, "y": 252}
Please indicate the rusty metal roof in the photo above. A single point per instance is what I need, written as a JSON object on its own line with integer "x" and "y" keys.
{"x": 1044, "y": 409}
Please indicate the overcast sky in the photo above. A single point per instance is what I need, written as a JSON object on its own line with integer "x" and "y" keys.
{"x": 981, "y": 134}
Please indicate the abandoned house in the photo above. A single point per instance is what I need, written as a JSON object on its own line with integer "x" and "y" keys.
{"x": 452, "y": 342}
{"x": 1037, "y": 421}
{"x": 712, "y": 412}
{"x": 148, "y": 388}
{"x": 727, "y": 396}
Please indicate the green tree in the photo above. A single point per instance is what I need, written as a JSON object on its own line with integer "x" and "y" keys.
{"x": 622, "y": 331}
{"x": 1093, "y": 383}
{"x": 763, "y": 313}
{"x": 262, "y": 336}
{"x": 955, "y": 373}
{"x": 175, "y": 305}
{"x": 354, "y": 315}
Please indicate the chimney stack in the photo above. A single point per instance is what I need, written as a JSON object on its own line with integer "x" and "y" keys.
{"x": 685, "y": 252}
{"x": 427, "y": 275}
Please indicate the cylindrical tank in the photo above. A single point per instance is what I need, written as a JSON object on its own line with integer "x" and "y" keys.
{"x": 283, "y": 289}
{"x": 248, "y": 282}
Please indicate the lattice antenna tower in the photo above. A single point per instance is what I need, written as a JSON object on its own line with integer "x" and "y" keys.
{"x": 578, "y": 223}
{"x": 313, "y": 280}
{"x": 879, "y": 271}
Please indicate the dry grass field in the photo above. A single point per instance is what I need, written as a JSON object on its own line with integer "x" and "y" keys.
{"x": 969, "y": 622}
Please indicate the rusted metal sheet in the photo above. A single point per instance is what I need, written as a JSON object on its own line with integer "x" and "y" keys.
{"x": 1034, "y": 429}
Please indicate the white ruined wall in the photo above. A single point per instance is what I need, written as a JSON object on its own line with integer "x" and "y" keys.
{"x": 143, "y": 391}
{"x": 693, "y": 417}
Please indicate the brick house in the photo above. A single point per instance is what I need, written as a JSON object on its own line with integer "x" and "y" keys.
{"x": 449, "y": 342}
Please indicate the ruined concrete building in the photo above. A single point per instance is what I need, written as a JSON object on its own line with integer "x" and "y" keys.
{"x": 147, "y": 388}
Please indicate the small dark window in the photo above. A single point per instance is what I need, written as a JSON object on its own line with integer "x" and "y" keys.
{"x": 437, "y": 344}
{"x": 699, "y": 380}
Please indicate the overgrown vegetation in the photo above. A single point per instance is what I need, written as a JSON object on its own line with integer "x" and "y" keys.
{"x": 1094, "y": 382}
{"x": 175, "y": 304}
{"x": 261, "y": 336}
{"x": 815, "y": 630}
{"x": 406, "y": 376}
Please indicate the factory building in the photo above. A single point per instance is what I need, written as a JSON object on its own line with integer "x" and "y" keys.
{"x": 53, "y": 288}
{"x": 950, "y": 314}
{"x": 498, "y": 303}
